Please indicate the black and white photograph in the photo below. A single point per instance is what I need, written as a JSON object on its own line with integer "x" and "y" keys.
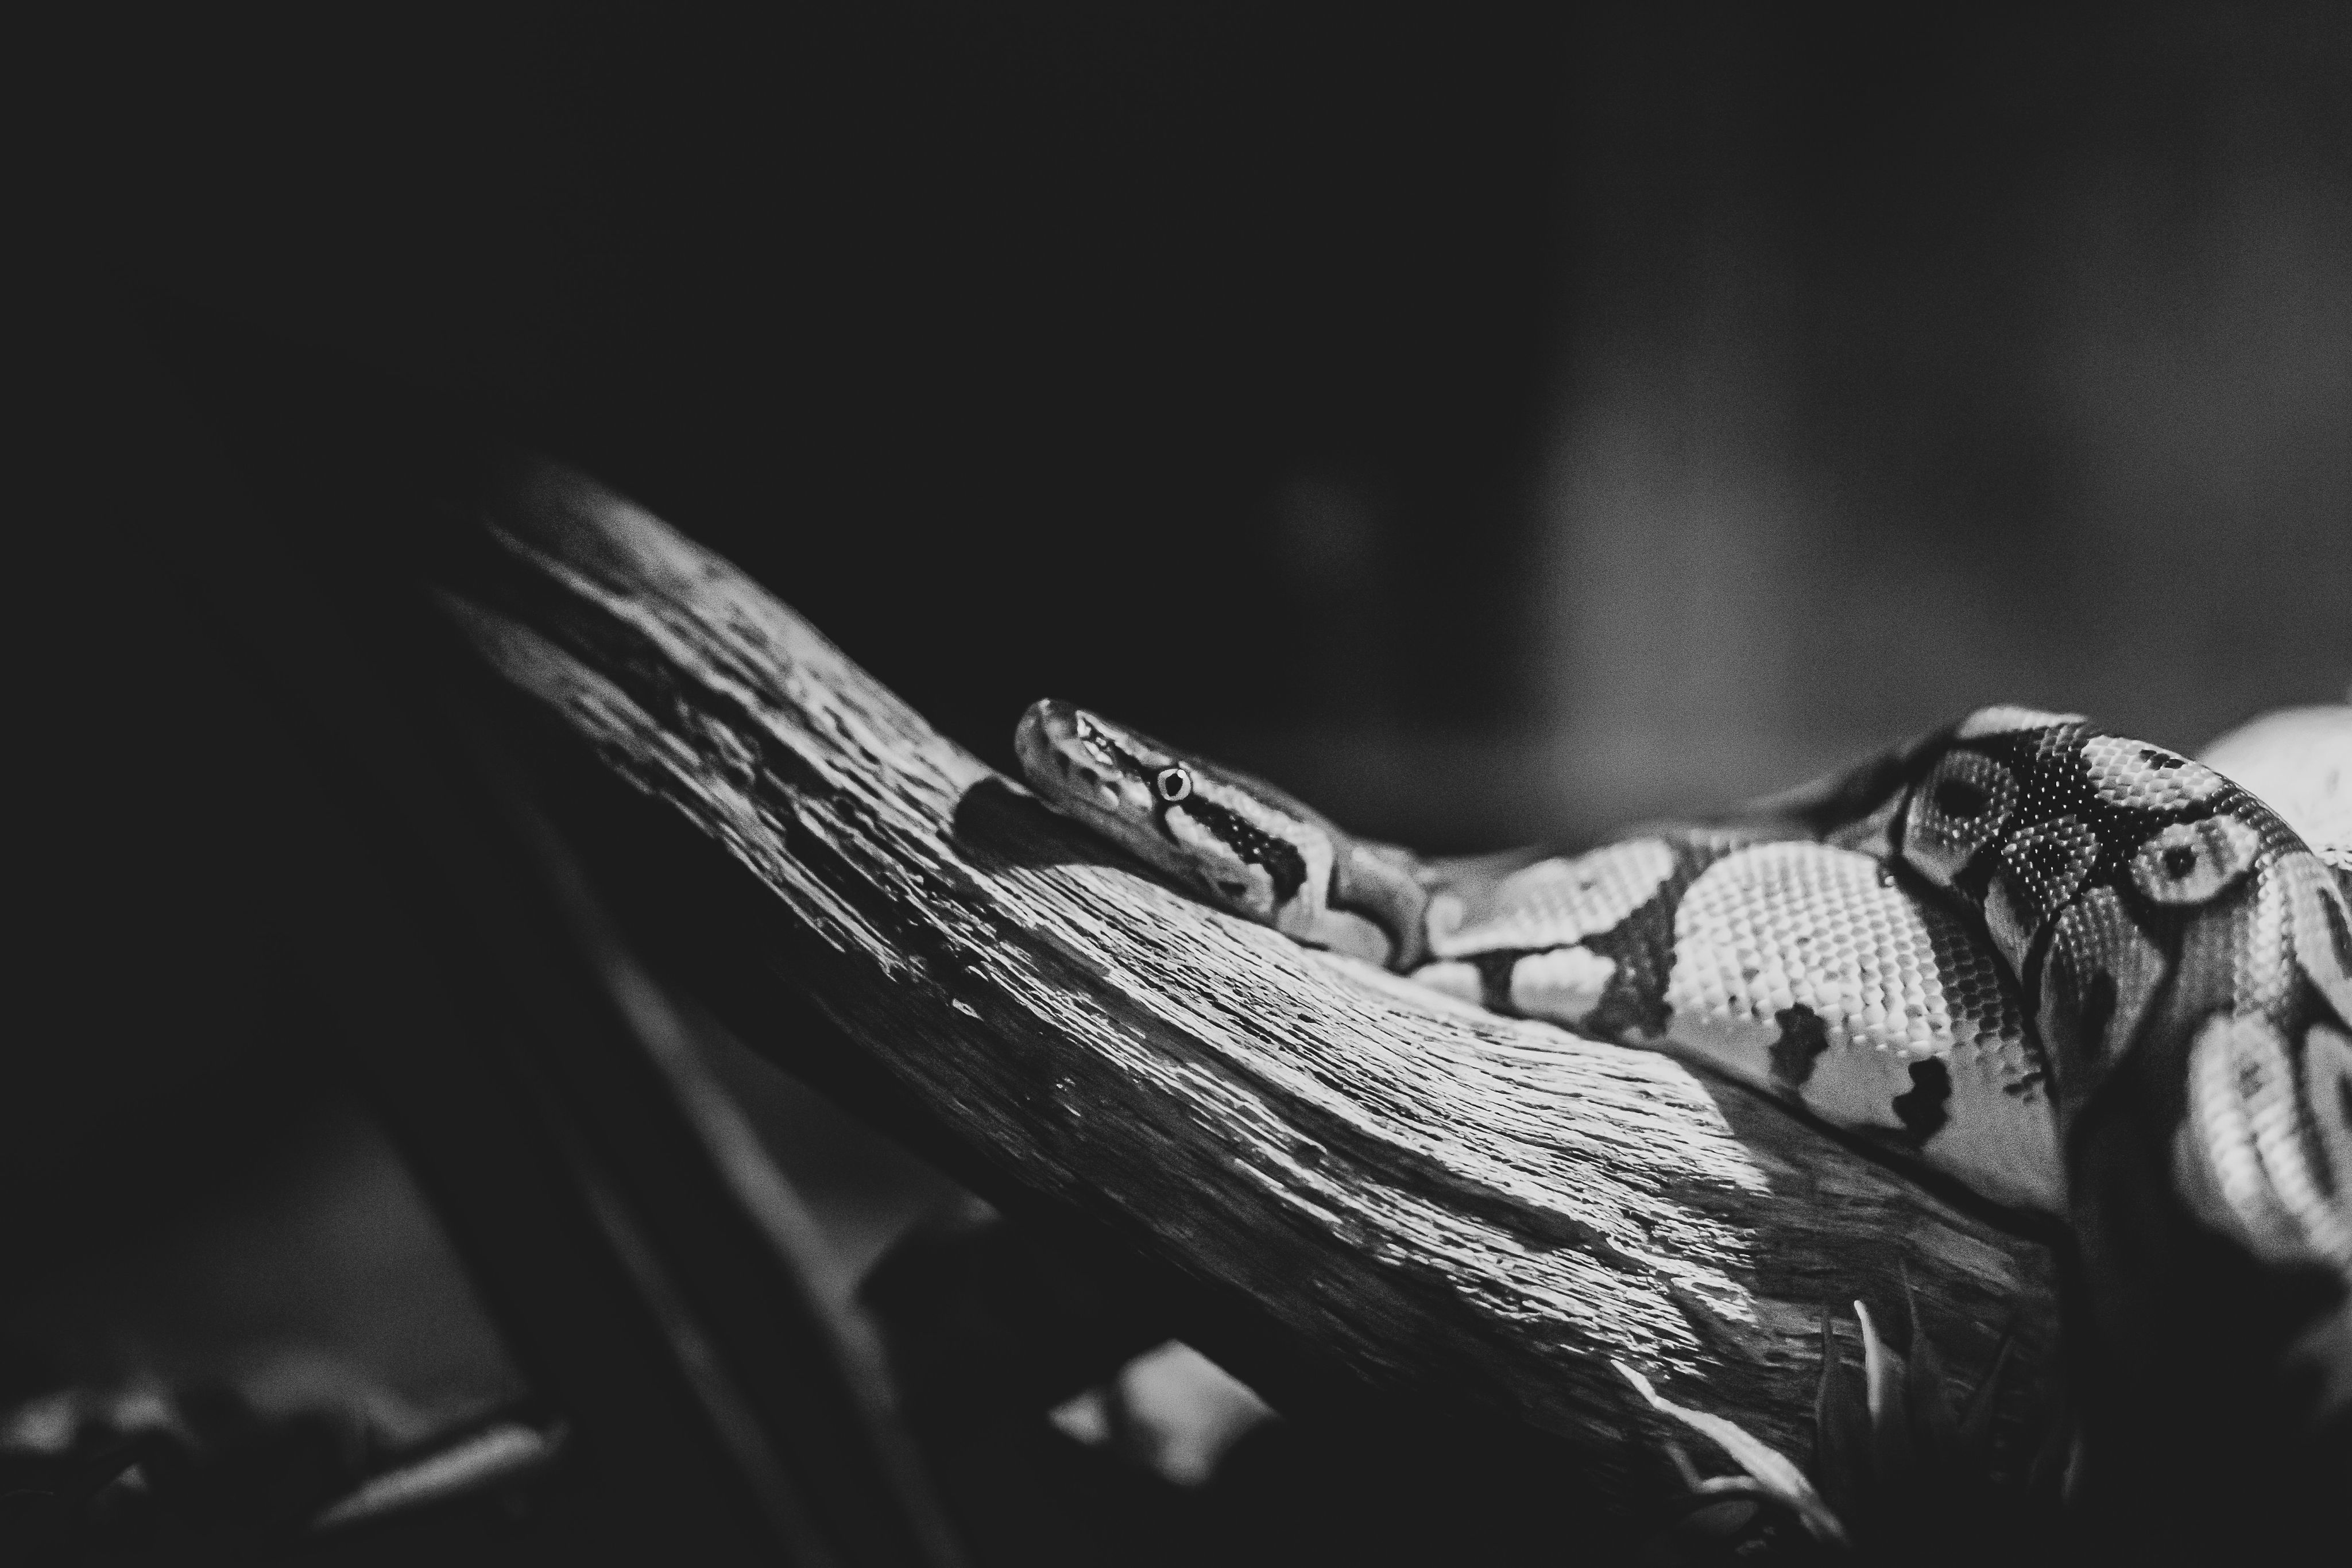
{"x": 1181, "y": 786}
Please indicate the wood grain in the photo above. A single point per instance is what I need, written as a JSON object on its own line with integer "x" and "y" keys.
{"x": 1439, "y": 1198}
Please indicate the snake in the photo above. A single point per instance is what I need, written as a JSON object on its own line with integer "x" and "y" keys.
{"x": 2094, "y": 983}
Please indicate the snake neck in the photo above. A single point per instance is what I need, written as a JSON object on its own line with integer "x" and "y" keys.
{"x": 1387, "y": 887}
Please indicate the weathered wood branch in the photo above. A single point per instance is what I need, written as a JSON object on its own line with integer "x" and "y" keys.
{"x": 1437, "y": 1198}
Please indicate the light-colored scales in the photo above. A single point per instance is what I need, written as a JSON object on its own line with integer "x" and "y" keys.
{"x": 1764, "y": 930}
{"x": 1892, "y": 981}
{"x": 1552, "y": 901}
{"x": 2298, "y": 761}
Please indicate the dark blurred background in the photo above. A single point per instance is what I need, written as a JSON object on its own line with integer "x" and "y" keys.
{"x": 1491, "y": 420}
{"x": 1492, "y": 424}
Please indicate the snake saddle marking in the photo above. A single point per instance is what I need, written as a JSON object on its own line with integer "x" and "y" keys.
{"x": 2076, "y": 973}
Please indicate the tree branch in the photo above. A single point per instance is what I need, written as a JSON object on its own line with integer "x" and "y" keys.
{"x": 1441, "y": 1199}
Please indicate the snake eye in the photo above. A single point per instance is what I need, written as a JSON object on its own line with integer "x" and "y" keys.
{"x": 1174, "y": 784}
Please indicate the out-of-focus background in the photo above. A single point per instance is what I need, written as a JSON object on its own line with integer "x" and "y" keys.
{"x": 1492, "y": 425}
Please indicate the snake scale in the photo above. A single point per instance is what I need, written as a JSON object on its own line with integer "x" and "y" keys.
{"x": 2080, "y": 976}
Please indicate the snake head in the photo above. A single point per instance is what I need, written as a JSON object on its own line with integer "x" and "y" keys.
{"x": 1234, "y": 841}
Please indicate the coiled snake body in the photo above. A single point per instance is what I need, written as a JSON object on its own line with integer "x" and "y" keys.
{"x": 2077, "y": 974}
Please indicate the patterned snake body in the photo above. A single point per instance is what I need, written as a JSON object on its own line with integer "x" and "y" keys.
{"x": 2075, "y": 973}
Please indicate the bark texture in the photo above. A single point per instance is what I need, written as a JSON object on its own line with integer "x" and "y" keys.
{"x": 1435, "y": 1197}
